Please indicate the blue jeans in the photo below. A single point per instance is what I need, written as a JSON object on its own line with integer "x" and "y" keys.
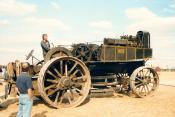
{"x": 25, "y": 106}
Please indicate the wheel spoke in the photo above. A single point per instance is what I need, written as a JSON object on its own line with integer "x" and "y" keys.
{"x": 141, "y": 89}
{"x": 152, "y": 82}
{"x": 137, "y": 82}
{"x": 52, "y": 92}
{"x": 79, "y": 78}
{"x": 142, "y": 73}
{"x": 151, "y": 85}
{"x": 61, "y": 67}
{"x": 71, "y": 93}
{"x": 56, "y": 99}
{"x": 154, "y": 77}
{"x": 78, "y": 90}
{"x": 66, "y": 74}
{"x": 77, "y": 84}
{"x": 148, "y": 71}
{"x": 144, "y": 89}
{"x": 139, "y": 74}
{"x": 62, "y": 96}
{"x": 58, "y": 73}
{"x": 61, "y": 99}
{"x": 147, "y": 88}
{"x": 69, "y": 99}
{"x": 49, "y": 87}
{"x": 72, "y": 68}
{"x": 49, "y": 72}
{"x": 52, "y": 81}
{"x": 138, "y": 85}
{"x": 139, "y": 79}
{"x": 75, "y": 72}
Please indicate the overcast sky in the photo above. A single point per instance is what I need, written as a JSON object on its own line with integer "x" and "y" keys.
{"x": 71, "y": 21}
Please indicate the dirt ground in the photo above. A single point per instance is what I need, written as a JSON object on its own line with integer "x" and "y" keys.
{"x": 161, "y": 104}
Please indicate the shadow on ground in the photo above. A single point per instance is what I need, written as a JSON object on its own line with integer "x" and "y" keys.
{"x": 13, "y": 114}
{"x": 85, "y": 101}
{"x": 6, "y": 103}
{"x": 42, "y": 114}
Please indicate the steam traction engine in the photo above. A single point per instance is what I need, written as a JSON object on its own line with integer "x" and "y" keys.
{"x": 65, "y": 77}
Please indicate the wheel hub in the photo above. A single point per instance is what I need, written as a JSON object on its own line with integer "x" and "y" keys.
{"x": 64, "y": 82}
{"x": 144, "y": 81}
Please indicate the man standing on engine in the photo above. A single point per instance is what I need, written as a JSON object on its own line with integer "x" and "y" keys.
{"x": 45, "y": 45}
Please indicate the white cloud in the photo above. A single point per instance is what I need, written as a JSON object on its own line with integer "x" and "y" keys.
{"x": 150, "y": 21}
{"x": 4, "y": 22}
{"x": 137, "y": 14}
{"x": 162, "y": 31}
{"x": 47, "y": 23}
{"x": 104, "y": 24}
{"x": 11, "y": 50}
{"x": 17, "y": 46}
{"x": 55, "y": 5}
{"x": 13, "y": 7}
{"x": 12, "y": 54}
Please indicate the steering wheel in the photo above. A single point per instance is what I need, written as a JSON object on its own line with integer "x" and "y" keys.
{"x": 29, "y": 55}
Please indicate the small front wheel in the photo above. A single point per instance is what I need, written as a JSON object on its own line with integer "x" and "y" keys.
{"x": 144, "y": 81}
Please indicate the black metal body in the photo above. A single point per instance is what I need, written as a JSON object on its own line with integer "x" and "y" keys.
{"x": 107, "y": 75}
{"x": 103, "y": 68}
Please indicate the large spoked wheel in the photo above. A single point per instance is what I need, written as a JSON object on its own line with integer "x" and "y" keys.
{"x": 64, "y": 82}
{"x": 144, "y": 81}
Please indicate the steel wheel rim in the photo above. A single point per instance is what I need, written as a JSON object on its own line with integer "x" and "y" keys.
{"x": 63, "y": 92}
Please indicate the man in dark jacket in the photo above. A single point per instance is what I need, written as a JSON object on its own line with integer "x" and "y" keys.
{"x": 24, "y": 88}
{"x": 45, "y": 44}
